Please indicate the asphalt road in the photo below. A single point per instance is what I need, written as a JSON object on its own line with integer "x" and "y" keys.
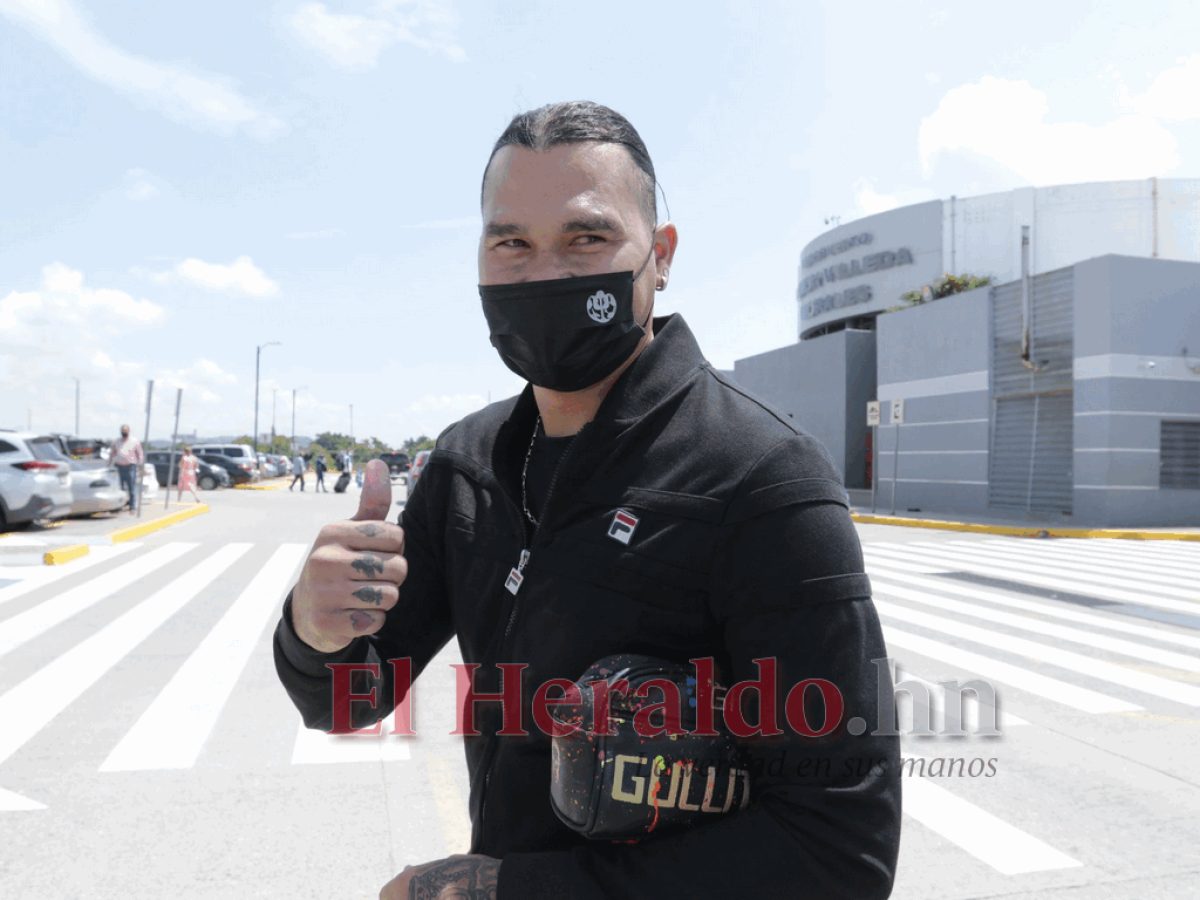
{"x": 147, "y": 749}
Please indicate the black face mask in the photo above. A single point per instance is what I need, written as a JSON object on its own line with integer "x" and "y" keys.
{"x": 568, "y": 333}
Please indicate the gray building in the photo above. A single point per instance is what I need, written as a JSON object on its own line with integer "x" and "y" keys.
{"x": 1070, "y": 396}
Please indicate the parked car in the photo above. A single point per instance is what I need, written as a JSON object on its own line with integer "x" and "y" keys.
{"x": 269, "y": 466}
{"x": 35, "y": 479}
{"x": 208, "y": 476}
{"x": 95, "y": 490}
{"x": 241, "y": 454}
{"x": 396, "y": 462}
{"x": 87, "y": 448}
{"x": 414, "y": 471}
{"x": 236, "y": 471}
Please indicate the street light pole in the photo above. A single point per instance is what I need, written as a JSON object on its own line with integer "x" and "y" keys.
{"x": 302, "y": 387}
{"x": 274, "y": 391}
{"x": 76, "y": 407}
{"x": 257, "y": 358}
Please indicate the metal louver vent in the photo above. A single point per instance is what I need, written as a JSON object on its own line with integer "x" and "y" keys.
{"x": 1033, "y": 415}
{"x": 1179, "y": 456}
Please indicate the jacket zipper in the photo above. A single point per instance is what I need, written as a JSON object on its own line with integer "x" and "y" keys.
{"x": 527, "y": 541}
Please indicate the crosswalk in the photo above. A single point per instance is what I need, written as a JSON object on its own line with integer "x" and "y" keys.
{"x": 1062, "y": 631}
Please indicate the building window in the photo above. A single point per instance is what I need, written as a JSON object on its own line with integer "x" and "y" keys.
{"x": 1179, "y": 456}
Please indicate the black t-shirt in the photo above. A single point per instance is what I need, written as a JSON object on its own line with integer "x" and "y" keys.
{"x": 547, "y": 454}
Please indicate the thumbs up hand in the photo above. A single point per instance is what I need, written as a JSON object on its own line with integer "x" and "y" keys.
{"x": 353, "y": 575}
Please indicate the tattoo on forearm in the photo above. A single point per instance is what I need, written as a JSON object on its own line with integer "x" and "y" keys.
{"x": 360, "y": 620}
{"x": 369, "y": 565}
{"x": 369, "y": 530}
{"x": 472, "y": 879}
{"x": 370, "y": 595}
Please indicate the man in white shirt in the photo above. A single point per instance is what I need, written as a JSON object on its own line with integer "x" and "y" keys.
{"x": 126, "y": 454}
{"x": 298, "y": 467}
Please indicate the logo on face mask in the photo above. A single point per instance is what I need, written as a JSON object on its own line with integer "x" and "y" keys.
{"x": 602, "y": 306}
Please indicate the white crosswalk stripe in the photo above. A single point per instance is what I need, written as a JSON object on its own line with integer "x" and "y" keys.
{"x": 1117, "y": 645}
{"x": 1044, "y": 610}
{"x": 316, "y": 747}
{"x": 1090, "y": 569}
{"x": 28, "y": 707}
{"x": 1004, "y": 847}
{"x": 41, "y": 618}
{"x": 1112, "y": 552}
{"x": 1039, "y": 576}
{"x": 171, "y": 733}
{"x": 998, "y": 633}
{"x": 1043, "y": 685}
{"x": 28, "y": 581}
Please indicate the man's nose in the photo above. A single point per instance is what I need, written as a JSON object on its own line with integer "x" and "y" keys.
{"x": 547, "y": 266}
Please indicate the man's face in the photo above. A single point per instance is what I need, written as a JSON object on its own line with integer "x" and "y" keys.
{"x": 572, "y": 210}
{"x": 125, "y": 432}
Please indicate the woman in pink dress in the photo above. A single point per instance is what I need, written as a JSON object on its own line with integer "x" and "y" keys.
{"x": 188, "y": 467}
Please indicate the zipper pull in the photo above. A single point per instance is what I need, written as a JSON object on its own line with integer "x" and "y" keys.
{"x": 513, "y": 582}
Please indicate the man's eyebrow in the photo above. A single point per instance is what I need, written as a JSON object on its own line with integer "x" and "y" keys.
{"x": 502, "y": 229}
{"x": 589, "y": 223}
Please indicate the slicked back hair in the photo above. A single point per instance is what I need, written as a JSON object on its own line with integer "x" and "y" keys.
{"x": 577, "y": 122}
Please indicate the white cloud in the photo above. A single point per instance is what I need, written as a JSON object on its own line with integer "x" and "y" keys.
{"x": 355, "y": 41}
{"x": 141, "y": 185}
{"x": 65, "y": 329}
{"x": 1174, "y": 95}
{"x": 202, "y": 100}
{"x": 869, "y": 201}
{"x": 240, "y": 277}
{"x": 1005, "y": 121}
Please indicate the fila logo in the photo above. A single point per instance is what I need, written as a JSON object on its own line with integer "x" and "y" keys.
{"x": 602, "y": 306}
{"x": 622, "y": 526}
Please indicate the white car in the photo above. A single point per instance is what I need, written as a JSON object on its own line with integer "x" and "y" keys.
{"x": 95, "y": 489}
{"x": 35, "y": 479}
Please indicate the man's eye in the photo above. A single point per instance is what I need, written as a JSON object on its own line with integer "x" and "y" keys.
{"x": 586, "y": 239}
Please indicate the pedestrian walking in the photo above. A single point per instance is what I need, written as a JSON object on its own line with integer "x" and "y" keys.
{"x": 298, "y": 467}
{"x": 126, "y": 454}
{"x": 320, "y": 466}
{"x": 189, "y": 466}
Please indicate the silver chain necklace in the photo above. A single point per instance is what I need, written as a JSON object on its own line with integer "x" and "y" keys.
{"x": 525, "y": 472}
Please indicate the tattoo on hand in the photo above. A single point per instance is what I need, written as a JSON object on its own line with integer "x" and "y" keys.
{"x": 369, "y": 565}
{"x": 471, "y": 879}
{"x": 369, "y": 530}
{"x": 370, "y": 595}
{"x": 361, "y": 620}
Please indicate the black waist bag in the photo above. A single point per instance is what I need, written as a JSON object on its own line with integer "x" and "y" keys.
{"x": 629, "y": 784}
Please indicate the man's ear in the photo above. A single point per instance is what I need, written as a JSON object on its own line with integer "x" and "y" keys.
{"x": 666, "y": 239}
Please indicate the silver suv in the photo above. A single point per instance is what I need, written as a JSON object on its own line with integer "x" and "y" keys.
{"x": 35, "y": 479}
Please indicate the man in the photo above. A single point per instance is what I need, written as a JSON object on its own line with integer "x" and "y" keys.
{"x": 126, "y": 454}
{"x": 735, "y": 543}
{"x": 320, "y": 466}
{"x": 298, "y": 467}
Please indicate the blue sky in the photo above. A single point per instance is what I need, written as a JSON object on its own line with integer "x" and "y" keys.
{"x": 182, "y": 182}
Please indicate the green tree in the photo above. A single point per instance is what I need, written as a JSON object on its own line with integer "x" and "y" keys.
{"x": 414, "y": 445}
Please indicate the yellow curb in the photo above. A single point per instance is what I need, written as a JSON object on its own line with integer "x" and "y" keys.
{"x": 274, "y": 485}
{"x": 1030, "y": 530}
{"x": 136, "y": 531}
{"x": 66, "y": 554}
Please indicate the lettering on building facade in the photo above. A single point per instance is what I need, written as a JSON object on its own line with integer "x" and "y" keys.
{"x": 872, "y": 262}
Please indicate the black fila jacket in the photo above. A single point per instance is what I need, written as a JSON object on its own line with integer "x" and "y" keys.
{"x": 743, "y": 549}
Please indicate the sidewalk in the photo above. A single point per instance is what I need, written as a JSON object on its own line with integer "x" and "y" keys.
{"x": 995, "y": 525}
